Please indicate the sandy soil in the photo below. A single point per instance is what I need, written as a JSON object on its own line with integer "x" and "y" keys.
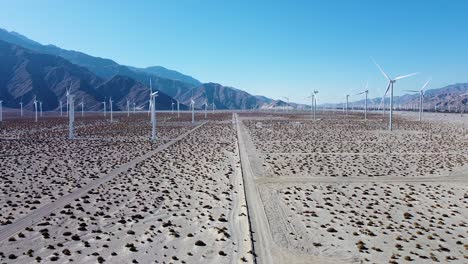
{"x": 235, "y": 188}
{"x": 185, "y": 204}
{"x": 341, "y": 190}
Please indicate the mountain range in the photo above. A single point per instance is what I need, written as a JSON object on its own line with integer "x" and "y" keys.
{"x": 175, "y": 85}
{"x": 440, "y": 98}
{"x": 29, "y": 69}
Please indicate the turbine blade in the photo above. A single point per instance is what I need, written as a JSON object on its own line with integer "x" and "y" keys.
{"x": 382, "y": 71}
{"x": 388, "y": 88}
{"x": 404, "y": 76}
{"x": 424, "y": 86}
{"x": 412, "y": 91}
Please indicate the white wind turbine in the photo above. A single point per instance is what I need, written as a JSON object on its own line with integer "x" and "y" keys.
{"x": 421, "y": 97}
{"x": 150, "y": 102}
{"x": 68, "y": 92}
{"x": 365, "y": 103}
{"x": 35, "y": 108}
{"x": 71, "y": 116}
{"x": 178, "y": 114}
{"x": 1, "y": 111}
{"x": 60, "y": 107}
{"x": 391, "y": 83}
{"x": 192, "y": 105}
{"x": 110, "y": 103}
{"x": 82, "y": 107}
{"x": 315, "y": 103}
{"x": 104, "y": 103}
{"x": 172, "y": 107}
{"x": 347, "y": 99}
{"x": 206, "y": 107}
{"x": 128, "y": 108}
{"x": 21, "y": 109}
{"x": 40, "y": 107}
{"x": 153, "y": 115}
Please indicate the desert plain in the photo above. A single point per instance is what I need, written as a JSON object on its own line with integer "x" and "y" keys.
{"x": 245, "y": 187}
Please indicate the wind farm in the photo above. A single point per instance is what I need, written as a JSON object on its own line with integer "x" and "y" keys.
{"x": 321, "y": 157}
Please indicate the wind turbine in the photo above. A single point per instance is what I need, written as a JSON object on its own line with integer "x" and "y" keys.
{"x": 206, "y": 107}
{"x": 68, "y": 92}
{"x": 21, "y": 109}
{"x": 178, "y": 114}
{"x": 421, "y": 97}
{"x": 60, "y": 107}
{"x": 82, "y": 107}
{"x": 71, "y": 116}
{"x": 128, "y": 108}
{"x": 172, "y": 107}
{"x": 347, "y": 98}
{"x": 153, "y": 115}
{"x": 213, "y": 107}
{"x": 192, "y": 105}
{"x": 35, "y": 108}
{"x": 391, "y": 83}
{"x": 40, "y": 107}
{"x": 110, "y": 103}
{"x": 365, "y": 103}
{"x": 150, "y": 101}
{"x": 104, "y": 103}
{"x": 1, "y": 111}
{"x": 315, "y": 102}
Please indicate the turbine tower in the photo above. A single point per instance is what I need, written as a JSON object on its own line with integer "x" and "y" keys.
{"x": 128, "y": 108}
{"x": 40, "y": 107}
{"x": 421, "y": 98}
{"x": 315, "y": 103}
{"x": 178, "y": 114}
{"x": 1, "y": 111}
{"x": 68, "y": 92}
{"x": 192, "y": 105}
{"x": 153, "y": 115}
{"x": 347, "y": 99}
{"x": 150, "y": 101}
{"x": 104, "y": 103}
{"x": 82, "y": 107}
{"x": 71, "y": 116}
{"x": 206, "y": 107}
{"x": 35, "y": 108}
{"x": 391, "y": 83}
{"x": 21, "y": 109}
{"x": 365, "y": 102}
{"x": 110, "y": 103}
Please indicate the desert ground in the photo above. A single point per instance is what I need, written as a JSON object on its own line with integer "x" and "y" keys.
{"x": 246, "y": 187}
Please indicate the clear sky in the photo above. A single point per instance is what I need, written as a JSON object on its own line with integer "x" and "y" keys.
{"x": 272, "y": 48}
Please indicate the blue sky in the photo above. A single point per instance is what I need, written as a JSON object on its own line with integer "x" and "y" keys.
{"x": 273, "y": 48}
